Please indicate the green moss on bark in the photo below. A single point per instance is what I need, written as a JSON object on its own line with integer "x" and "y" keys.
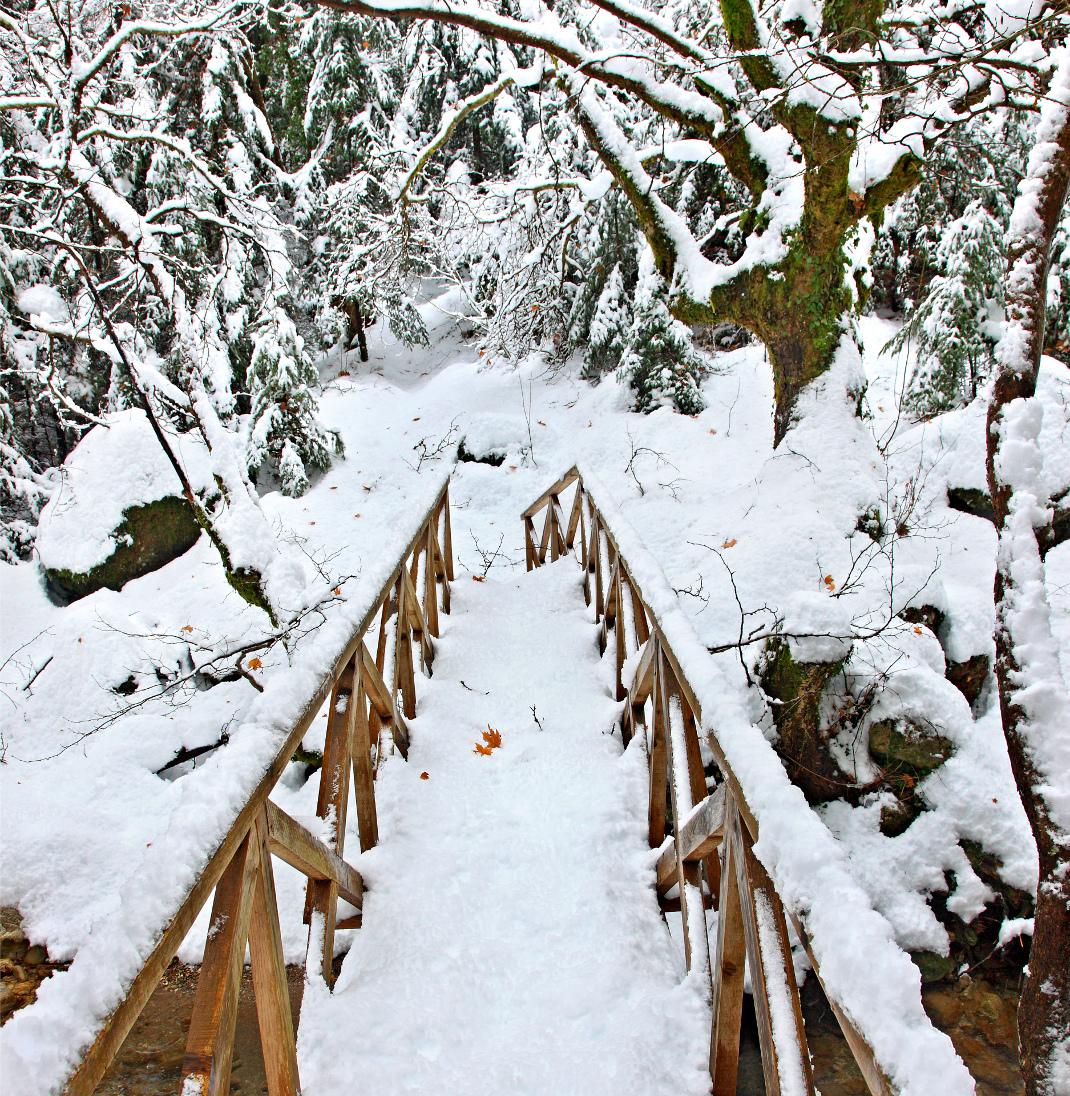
{"x": 796, "y": 689}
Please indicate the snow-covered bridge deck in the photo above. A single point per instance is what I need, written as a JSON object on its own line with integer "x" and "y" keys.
{"x": 514, "y": 933}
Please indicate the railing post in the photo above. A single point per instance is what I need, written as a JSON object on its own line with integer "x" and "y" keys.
{"x": 210, "y": 1043}
{"x": 658, "y": 759}
{"x": 447, "y": 535}
{"x": 333, "y": 801}
{"x": 272, "y": 992}
{"x": 728, "y": 968}
{"x": 363, "y": 774}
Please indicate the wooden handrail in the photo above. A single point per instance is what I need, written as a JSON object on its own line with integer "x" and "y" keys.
{"x": 245, "y": 912}
{"x": 705, "y": 835}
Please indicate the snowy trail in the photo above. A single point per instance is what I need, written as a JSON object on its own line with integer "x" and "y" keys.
{"x": 511, "y": 938}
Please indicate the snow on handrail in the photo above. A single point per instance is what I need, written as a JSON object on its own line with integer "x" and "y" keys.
{"x": 224, "y": 833}
{"x": 870, "y": 982}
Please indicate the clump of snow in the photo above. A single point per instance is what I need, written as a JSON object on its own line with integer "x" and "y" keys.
{"x": 44, "y": 302}
{"x": 818, "y": 626}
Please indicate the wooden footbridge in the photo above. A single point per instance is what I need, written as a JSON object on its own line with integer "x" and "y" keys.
{"x": 700, "y": 822}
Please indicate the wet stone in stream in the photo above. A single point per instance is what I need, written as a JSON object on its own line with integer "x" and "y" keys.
{"x": 150, "y": 1061}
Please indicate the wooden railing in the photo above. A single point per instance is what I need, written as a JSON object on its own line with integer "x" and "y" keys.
{"x": 702, "y": 825}
{"x": 371, "y": 690}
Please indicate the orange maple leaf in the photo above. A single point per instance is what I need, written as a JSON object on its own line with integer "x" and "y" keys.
{"x": 484, "y": 751}
{"x": 425, "y": 776}
{"x": 337, "y": 591}
{"x": 492, "y": 737}
{"x": 729, "y": 543}
{"x": 187, "y": 627}
{"x": 254, "y": 664}
{"x": 830, "y": 583}
{"x": 917, "y": 630}
{"x": 479, "y": 578}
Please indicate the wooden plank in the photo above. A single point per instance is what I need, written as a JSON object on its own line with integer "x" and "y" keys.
{"x": 404, "y": 674}
{"x": 771, "y": 970}
{"x": 568, "y": 478}
{"x": 210, "y": 1042}
{"x": 643, "y": 678}
{"x": 639, "y": 612}
{"x": 574, "y": 515}
{"x": 419, "y": 627}
{"x": 585, "y": 552}
{"x": 697, "y": 776}
{"x": 673, "y": 904}
{"x": 609, "y": 614}
{"x": 701, "y": 835}
{"x": 430, "y": 583}
{"x": 596, "y": 551}
{"x": 877, "y": 1081}
{"x": 560, "y": 544}
{"x": 728, "y": 973}
{"x": 269, "y": 978}
{"x": 547, "y": 534}
{"x": 375, "y": 686}
{"x": 620, "y": 639}
{"x": 360, "y": 747}
{"x": 401, "y": 734}
{"x": 693, "y": 928}
{"x": 447, "y": 533}
{"x": 659, "y": 767}
{"x": 385, "y": 614}
{"x": 290, "y": 841}
{"x": 530, "y": 551}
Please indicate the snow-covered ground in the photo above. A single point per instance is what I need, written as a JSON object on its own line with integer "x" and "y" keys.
{"x": 98, "y": 848}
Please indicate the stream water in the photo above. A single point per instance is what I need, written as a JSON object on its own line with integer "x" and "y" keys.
{"x": 979, "y": 1016}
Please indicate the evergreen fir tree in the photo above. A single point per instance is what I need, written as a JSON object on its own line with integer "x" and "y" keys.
{"x": 608, "y": 244}
{"x": 284, "y": 430}
{"x": 610, "y": 325}
{"x": 950, "y": 329}
{"x": 660, "y": 362}
{"x": 1057, "y": 329}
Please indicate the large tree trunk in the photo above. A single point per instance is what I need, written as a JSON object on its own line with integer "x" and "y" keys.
{"x": 801, "y": 316}
{"x": 1032, "y": 692}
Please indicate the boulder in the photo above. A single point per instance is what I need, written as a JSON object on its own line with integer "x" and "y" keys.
{"x": 118, "y": 511}
{"x": 901, "y": 746}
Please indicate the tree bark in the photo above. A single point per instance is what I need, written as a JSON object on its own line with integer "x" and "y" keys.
{"x": 355, "y": 327}
{"x": 1032, "y": 694}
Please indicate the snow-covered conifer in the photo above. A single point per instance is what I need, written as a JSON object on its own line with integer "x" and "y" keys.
{"x": 660, "y": 362}
{"x": 610, "y": 326}
{"x": 951, "y": 328}
{"x": 284, "y": 430}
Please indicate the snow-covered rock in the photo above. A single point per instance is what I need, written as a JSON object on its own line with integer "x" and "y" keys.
{"x": 118, "y": 511}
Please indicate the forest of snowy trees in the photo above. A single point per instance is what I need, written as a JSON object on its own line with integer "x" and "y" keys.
{"x": 213, "y": 211}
